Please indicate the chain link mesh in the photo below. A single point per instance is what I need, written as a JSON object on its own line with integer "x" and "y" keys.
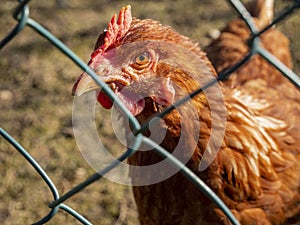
{"x": 22, "y": 15}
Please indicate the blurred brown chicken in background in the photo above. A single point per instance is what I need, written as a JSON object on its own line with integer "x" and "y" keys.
{"x": 255, "y": 171}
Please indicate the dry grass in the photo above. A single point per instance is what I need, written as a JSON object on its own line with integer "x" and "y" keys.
{"x": 36, "y": 102}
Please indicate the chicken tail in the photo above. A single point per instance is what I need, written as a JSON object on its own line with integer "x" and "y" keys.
{"x": 262, "y": 10}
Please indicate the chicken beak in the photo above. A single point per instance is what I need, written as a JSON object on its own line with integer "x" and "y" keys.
{"x": 85, "y": 83}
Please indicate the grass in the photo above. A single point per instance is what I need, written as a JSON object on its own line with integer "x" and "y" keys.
{"x": 36, "y": 102}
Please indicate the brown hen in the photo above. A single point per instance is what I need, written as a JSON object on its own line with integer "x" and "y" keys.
{"x": 255, "y": 171}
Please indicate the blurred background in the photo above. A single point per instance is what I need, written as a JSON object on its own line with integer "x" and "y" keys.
{"x": 36, "y": 103}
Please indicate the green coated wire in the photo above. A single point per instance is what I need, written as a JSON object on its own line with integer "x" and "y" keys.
{"x": 38, "y": 168}
{"x": 22, "y": 4}
{"x": 245, "y": 15}
{"x": 20, "y": 25}
{"x": 75, "y": 214}
{"x": 287, "y": 72}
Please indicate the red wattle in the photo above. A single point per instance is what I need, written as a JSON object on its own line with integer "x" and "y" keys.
{"x": 104, "y": 100}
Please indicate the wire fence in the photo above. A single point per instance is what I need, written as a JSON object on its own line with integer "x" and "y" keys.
{"x": 21, "y": 14}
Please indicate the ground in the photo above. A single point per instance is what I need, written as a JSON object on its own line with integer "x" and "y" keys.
{"x": 36, "y": 103}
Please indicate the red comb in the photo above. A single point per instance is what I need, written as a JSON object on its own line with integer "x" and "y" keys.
{"x": 116, "y": 29}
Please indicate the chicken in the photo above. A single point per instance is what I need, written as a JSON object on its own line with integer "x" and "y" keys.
{"x": 256, "y": 120}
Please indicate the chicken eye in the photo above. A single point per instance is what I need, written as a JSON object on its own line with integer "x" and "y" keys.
{"x": 142, "y": 59}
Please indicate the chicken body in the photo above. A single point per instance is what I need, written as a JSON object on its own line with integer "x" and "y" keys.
{"x": 256, "y": 171}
